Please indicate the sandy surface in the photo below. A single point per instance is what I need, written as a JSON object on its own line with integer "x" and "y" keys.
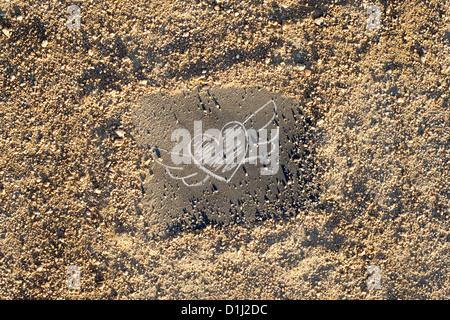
{"x": 71, "y": 171}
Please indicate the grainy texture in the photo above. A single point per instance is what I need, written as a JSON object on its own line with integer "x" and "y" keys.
{"x": 70, "y": 169}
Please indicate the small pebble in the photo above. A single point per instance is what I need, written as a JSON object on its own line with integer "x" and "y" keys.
{"x": 400, "y": 100}
{"x": 7, "y": 32}
{"x": 319, "y": 21}
{"x": 308, "y": 72}
{"x": 121, "y": 133}
{"x": 44, "y": 43}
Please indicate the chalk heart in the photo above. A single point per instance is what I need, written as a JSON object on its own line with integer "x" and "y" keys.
{"x": 234, "y": 135}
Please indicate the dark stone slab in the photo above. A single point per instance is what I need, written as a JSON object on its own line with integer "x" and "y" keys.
{"x": 188, "y": 196}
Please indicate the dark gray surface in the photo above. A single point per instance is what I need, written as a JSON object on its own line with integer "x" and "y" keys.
{"x": 171, "y": 206}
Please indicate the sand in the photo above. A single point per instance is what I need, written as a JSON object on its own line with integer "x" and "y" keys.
{"x": 72, "y": 172}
